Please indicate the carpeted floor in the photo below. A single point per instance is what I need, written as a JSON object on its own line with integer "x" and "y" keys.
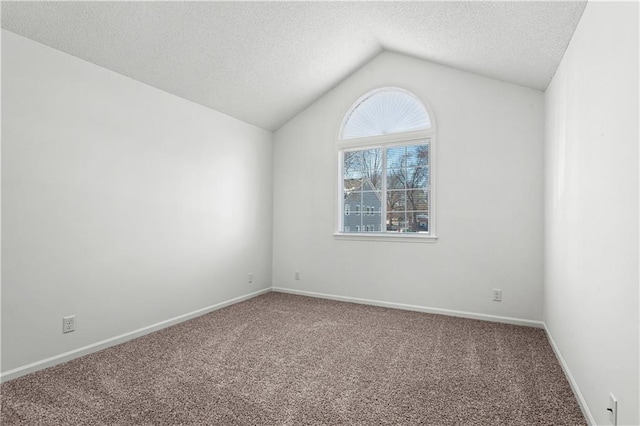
{"x": 280, "y": 359}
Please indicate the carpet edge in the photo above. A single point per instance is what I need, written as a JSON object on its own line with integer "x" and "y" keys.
{"x": 417, "y": 308}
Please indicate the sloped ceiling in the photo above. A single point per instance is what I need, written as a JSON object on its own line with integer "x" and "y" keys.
{"x": 263, "y": 62}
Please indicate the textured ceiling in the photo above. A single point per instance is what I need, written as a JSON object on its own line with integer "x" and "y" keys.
{"x": 263, "y": 62}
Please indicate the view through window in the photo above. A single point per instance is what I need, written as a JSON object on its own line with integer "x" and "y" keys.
{"x": 387, "y": 188}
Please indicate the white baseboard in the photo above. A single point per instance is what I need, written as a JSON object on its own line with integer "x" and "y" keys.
{"x": 426, "y": 309}
{"x": 85, "y": 350}
{"x": 572, "y": 382}
{"x": 94, "y": 347}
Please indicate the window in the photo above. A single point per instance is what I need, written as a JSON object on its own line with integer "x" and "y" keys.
{"x": 386, "y": 153}
{"x": 385, "y": 111}
{"x": 347, "y": 209}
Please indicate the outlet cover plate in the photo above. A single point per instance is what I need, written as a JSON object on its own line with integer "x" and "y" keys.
{"x": 497, "y": 295}
{"x": 68, "y": 324}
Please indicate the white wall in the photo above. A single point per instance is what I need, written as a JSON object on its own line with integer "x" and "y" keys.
{"x": 489, "y": 198}
{"x": 591, "y": 230}
{"x": 121, "y": 204}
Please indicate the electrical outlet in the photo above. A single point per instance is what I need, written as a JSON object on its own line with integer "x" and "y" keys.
{"x": 613, "y": 410}
{"x": 497, "y": 295}
{"x": 69, "y": 324}
{"x": 250, "y": 277}
{"x": 297, "y": 275}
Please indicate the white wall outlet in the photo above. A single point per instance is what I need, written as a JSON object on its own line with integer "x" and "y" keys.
{"x": 69, "y": 324}
{"x": 297, "y": 275}
{"x": 613, "y": 410}
{"x": 497, "y": 295}
{"x": 250, "y": 277}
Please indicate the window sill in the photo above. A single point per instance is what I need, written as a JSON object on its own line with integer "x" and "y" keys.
{"x": 403, "y": 237}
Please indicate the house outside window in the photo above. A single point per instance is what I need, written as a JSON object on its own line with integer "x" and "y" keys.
{"x": 386, "y": 164}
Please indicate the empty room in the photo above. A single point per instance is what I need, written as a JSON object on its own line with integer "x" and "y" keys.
{"x": 306, "y": 213}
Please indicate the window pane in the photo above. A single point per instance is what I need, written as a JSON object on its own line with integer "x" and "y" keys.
{"x": 417, "y": 155}
{"x": 396, "y": 201}
{"x": 396, "y": 222}
{"x": 364, "y": 160}
{"x": 418, "y": 199}
{"x": 417, "y": 222}
{"x": 352, "y": 185}
{"x": 372, "y": 204}
{"x": 371, "y": 213}
{"x": 396, "y": 178}
{"x": 351, "y": 221}
{"x": 417, "y": 177}
{"x": 365, "y": 164}
{"x": 396, "y": 157}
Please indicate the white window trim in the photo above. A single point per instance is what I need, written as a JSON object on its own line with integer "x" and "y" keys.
{"x": 399, "y": 237}
{"x": 382, "y": 142}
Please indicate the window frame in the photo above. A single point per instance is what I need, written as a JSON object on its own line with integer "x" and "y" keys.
{"x": 383, "y": 142}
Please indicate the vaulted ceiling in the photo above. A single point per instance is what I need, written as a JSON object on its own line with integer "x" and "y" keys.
{"x": 263, "y": 62}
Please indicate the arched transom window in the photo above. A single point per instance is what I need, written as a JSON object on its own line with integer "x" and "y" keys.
{"x": 386, "y": 164}
{"x": 385, "y": 111}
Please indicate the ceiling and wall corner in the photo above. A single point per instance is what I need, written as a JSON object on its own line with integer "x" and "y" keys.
{"x": 264, "y": 62}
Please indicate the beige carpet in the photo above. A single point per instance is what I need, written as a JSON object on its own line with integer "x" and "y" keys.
{"x": 280, "y": 359}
